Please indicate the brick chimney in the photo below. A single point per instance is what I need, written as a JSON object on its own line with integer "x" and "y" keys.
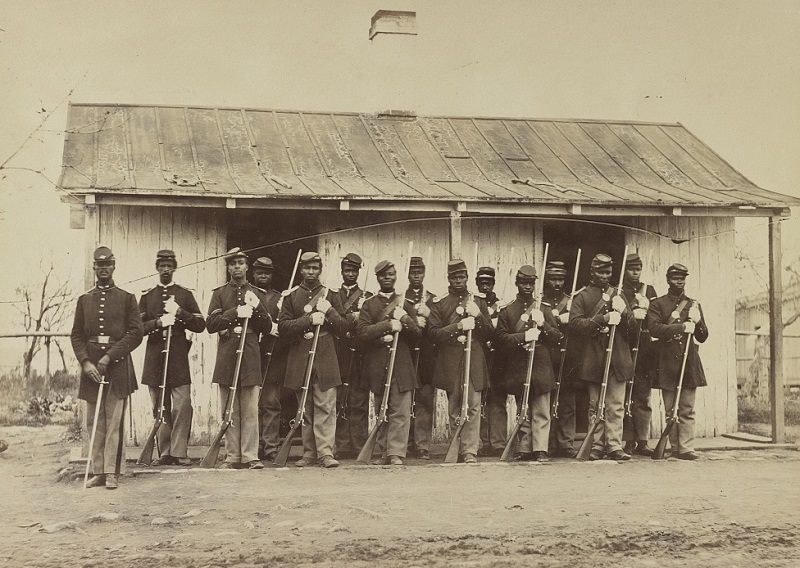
{"x": 394, "y": 70}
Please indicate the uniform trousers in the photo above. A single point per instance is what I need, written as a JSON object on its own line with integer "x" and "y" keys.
{"x": 608, "y": 437}
{"x": 319, "y": 420}
{"x": 424, "y": 407}
{"x": 108, "y": 452}
{"x": 562, "y": 429}
{"x": 494, "y": 423}
{"x": 637, "y": 427}
{"x": 393, "y": 438}
{"x": 173, "y": 435}
{"x": 269, "y": 418}
{"x": 352, "y": 429}
{"x": 241, "y": 438}
{"x": 470, "y": 434}
{"x": 536, "y": 429}
{"x": 681, "y": 437}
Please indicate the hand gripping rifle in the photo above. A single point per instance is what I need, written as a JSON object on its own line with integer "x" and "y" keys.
{"x": 673, "y": 419}
{"x": 600, "y": 413}
{"x": 554, "y": 412}
{"x": 283, "y": 453}
{"x": 94, "y": 431}
{"x": 147, "y": 451}
{"x": 210, "y": 459}
{"x": 522, "y": 415}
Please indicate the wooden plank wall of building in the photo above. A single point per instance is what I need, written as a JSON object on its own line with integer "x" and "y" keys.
{"x": 708, "y": 253}
{"x": 198, "y": 237}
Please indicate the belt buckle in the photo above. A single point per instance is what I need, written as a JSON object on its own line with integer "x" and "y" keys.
{"x": 237, "y": 329}
{"x": 103, "y": 339}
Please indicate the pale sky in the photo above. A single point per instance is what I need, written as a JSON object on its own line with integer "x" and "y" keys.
{"x": 727, "y": 70}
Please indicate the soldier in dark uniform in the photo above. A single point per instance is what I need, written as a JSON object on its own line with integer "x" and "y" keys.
{"x": 232, "y": 304}
{"x": 452, "y": 316}
{"x": 594, "y": 309}
{"x": 381, "y": 316}
{"x": 170, "y": 305}
{"x": 672, "y": 319}
{"x": 518, "y": 324}
{"x": 636, "y": 428}
{"x": 307, "y": 306}
{"x": 352, "y": 421}
{"x": 424, "y": 398}
{"x": 556, "y": 301}
{"x": 107, "y": 327}
{"x": 273, "y": 361}
{"x": 494, "y": 416}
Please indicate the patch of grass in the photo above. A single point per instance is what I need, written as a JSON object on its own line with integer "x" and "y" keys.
{"x": 38, "y": 401}
{"x": 751, "y": 411}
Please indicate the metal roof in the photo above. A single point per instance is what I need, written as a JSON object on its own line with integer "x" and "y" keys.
{"x": 250, "y": 153}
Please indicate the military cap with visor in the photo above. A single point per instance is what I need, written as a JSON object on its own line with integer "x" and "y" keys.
{"x": 633, "y": 259}
{"x": 485, "y": 273}
{"x": 526, "y": 272}
{"x": 555, "y": 268}
{"x": 602, "y": 261}
{"x": 416, "y": 262}
{"x": 263, "y": 263}
{"x": 308, "y": 257}
{"x": 234, "y": 253}
{"x": 677, "y": 268}
{"x": 166, "y": 254}
{"x": 383, "y": 266}
{"x": 103, "y": 254}
{"x": 455, "y": 266}
{"x": 352, "y": 259}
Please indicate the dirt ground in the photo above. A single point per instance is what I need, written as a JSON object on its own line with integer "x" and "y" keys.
{"x": 730, "y": 509}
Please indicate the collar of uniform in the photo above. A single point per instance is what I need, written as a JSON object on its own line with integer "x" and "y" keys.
{"x": 680, "y": 296}
{"x": 160, "y": 285}
{"x": 459, "y": 296}
{"x": 110, "y": 285}
{"x": 350, "y": 289}
{"x": 595, "y": 285}
{"x": 233, "y": 284}
{"x": 552, "y": 299}
{"x": 304, "y": 287}
{"x": 634, "y": 287}
{"x": 415, "y": 293}
{"x": 387, "y": 295}
{"x": 526, "y": 300}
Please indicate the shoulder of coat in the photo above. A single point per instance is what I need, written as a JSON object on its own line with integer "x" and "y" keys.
{"x": 148, "y": 290}
{"x": 479, "y": 295}
{"x": 184, "y": 287}
{"x": 219, "y": 287}
{"x": 437, "y": 299}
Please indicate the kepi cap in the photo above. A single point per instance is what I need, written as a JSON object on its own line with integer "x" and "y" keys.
{"x": 677, "y": 268}
{"x": 263, "y": 263}
{"x": 103, "y": 254}
{"x": 526, "y": 272}
{"x": 485, "y": 273}
{"x": 352, "y": 259}
{"x": 416, "y": 262}
{"x": 602, "y": 261}
{"x": 633, "y": 259}
{"x": 166, "y": 254}
{"x": 456, "y": 265}
{"x": 555, "y": 268}
{"x": 383, "y": 266}
{"x": 307, "y": 257}
{"x": 235, "y": 253}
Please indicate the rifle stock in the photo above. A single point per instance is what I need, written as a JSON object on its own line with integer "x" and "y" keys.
{"x": 513, "y": 442}
{"x": 661, "y": 447}
{"x": 455, "y": 442}
{"x": 147, "y": 450}
{"x": 586, "y": 445}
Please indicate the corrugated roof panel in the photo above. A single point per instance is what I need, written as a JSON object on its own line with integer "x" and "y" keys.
{"x": 273, "y": 159}
{"x": 501, "y": 140}
{"x": 209, "y": 154}
{"x": 145, "y": 149}
{"x": 242, "y": 163}
{"x": 179, "y": 165}
{"x": 112, "y": 151}
{"x": 79, "y": 155}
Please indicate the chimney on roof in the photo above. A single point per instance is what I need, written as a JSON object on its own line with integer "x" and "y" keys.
{"x": 393, "y": 41}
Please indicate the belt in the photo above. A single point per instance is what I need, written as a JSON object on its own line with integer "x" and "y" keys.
{"x": 102, "y": 339}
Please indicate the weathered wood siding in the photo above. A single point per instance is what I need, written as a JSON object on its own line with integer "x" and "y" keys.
{"x": 198, "y": 238}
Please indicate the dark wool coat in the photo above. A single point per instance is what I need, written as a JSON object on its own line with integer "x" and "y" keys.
{"x": 370, "y": 330}
{"x": 646, "y": 362}
{"x": 107, "y": 313}
{"x": 570, "y": 375}
{"x": 222, "y": 320}
{"x": 425, "y": 348}
{"x": 513, "y": 349}
{"x": 672, "y": 342}
{"x": 347, "y": 303}
{"x": 274, "y": 365}
{"x": 188, "y": 317}
{"x": 450, "y": 352}
{"x": 583, "y": 321}
{"x": 293, "y": 323}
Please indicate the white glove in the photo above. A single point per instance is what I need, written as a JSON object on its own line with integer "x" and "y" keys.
{"x": 537, "y": 317}
{"x": 639, "y": 313}
{"x": 564, "y": 318}
{"x": 643, "y": 302}
{"x": 688, "y": 327}
{"x": 387, "y": 338}
{"x": 323, "y": 305}
{"x": 614, "y": 318}
{"x": 171, "y": 306}
{"x": 245, "y": 311}
{"x": 317, "y": 318}
{"x": 421, "y": 321}
{"x": 472, "y": 309}
{"x": 251, "y": 299}
{"x": 468, "y": 323}
{"x": 532, "y": 335}
{"x": 398, "y": 313}
{"x": 274, "y": 331}
{"x": 396, "y": 325}
{"x": 694, "y": 314}
{"x": 423, "y": 311}
{"x": 618, "y": 304}
{"x": 167, "y": 320}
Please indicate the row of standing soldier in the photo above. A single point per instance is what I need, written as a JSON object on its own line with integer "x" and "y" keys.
{"x": 355, "y": 332}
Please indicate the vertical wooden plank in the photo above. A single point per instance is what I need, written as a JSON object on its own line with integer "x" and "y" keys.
{"x": 776, "y": 332}
{"x": 455, "y": 234}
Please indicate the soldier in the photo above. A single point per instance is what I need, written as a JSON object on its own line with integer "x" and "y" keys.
{"x": 452, "y": 316}
{"x": 107, "y": 327}
{"x": 671, "y": 319}
{"x": 273, "y": 360}
{"x": 163, "y": 306}
{"x": 594, "y": 309}
{"x": 306, "y": 307}
{"x": 231, "y": 305}
{"x": 494, "y": 417}
{"x": 554, "y": 299}
{"x": 519, "y": 323}
{"x": 424, "y": 398}
{"x": 352, "y": 421}
{"x": 636, "y": 428}
{"x": 381, "y": 316}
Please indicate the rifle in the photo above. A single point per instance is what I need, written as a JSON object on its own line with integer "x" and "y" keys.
{"x": 554, "y": 412}
{"x": 658, "y": 453}
{"x": 283, "y": 453}
{"x": 455, "y": 442}
{"x": 147, "y": 451}
{"x": 94, "y": 431}
{"x": 366, "y": 451}
{"x": 417, "y": 352}
{"x": 600, "y": 412}
{"x": 635, "y": 350}
{"x": 210, "y": 459}
{"x": 522, "y": 415}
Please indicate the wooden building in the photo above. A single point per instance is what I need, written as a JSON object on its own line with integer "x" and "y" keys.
{"x": 201, "y": 180}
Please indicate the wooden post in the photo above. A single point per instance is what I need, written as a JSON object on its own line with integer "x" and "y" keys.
{"x": 776, "y": 395}
{"x": 455, "y": 234}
